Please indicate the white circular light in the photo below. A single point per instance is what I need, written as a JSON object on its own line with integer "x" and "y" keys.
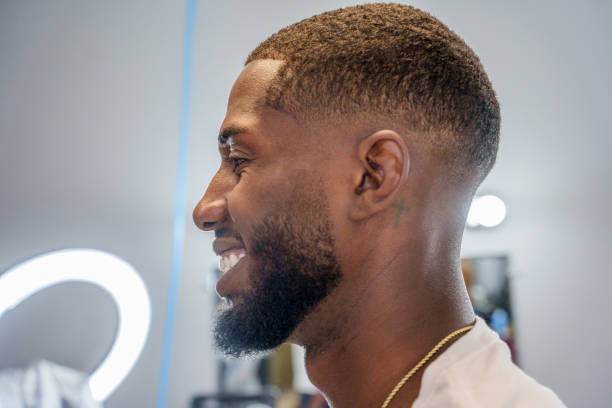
{"x": 486, "y": 211}
{"x": 100, "y": 268}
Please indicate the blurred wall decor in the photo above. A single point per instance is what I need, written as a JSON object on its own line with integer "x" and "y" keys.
{"x": 488, "y": 284}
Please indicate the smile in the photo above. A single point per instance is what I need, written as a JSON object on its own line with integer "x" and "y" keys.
{"x": 230, "y": 258}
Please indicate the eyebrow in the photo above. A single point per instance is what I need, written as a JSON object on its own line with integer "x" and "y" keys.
{"x": 229, "y": 132}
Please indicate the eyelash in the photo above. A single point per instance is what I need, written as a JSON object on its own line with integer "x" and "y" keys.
{"x": 236, "y": 162}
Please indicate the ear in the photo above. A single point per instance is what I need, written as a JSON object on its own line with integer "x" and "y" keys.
{"x": 384, "y": 166}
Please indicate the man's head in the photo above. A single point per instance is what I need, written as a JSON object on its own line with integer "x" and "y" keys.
{"x": 392, "y": 61}
{"x": 338, "y": 127}
{"x": 270, "y": 214}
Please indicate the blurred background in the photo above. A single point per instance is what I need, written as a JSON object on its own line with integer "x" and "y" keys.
{"x": 96, "y": 99}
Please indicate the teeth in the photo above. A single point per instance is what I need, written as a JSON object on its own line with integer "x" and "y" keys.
{"x": 223, "y": 265}
{"x": 228, "y": 261}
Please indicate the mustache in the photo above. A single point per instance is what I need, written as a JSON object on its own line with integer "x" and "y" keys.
{"x": 226, "y": 232}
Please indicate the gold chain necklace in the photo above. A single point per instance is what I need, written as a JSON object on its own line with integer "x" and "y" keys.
{"x": 421, "y": 363}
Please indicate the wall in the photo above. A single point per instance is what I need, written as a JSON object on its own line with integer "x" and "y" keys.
{"x": 89, "y": 124}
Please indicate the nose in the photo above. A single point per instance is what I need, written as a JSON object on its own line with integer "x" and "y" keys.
{"x": 211, "y": 212}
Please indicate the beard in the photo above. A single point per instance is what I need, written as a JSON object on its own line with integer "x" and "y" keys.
{"x": 293, "y": 267}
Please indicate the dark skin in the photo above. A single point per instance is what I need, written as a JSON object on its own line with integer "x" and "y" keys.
{"x": 397, "y": 223}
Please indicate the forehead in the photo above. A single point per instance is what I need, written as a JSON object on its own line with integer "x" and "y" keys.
{"x": 247, "y": 111}
{"x": 248, "y": 94}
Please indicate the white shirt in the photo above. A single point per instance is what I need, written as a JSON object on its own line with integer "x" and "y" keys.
{"x": 476, "y": 371}
{"x": 43, "y": 384}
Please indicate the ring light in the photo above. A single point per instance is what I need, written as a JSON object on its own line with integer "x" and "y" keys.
{"x": 100, "y": 268}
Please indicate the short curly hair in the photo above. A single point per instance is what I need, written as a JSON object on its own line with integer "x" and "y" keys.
{"x": 393, "y": 61}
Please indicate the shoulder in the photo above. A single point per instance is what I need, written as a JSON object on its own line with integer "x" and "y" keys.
{"x": 477, "y": 371}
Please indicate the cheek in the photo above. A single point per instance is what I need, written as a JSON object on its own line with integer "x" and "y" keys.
{"x": 340, "y": 194}
{"x": 253, "y": 198}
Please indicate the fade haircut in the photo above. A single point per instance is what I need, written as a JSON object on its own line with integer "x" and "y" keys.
{"x": 391, "y": 61}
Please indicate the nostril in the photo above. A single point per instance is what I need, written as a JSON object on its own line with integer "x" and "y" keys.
{"x": 209, "y": 213}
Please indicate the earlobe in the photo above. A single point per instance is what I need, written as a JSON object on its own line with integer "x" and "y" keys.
{"x": 384, "y": 163}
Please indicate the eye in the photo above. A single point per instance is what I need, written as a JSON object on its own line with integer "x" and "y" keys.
{"x": 237, "y": 163}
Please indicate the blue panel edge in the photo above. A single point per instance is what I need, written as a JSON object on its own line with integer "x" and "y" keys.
{"x": 180, "y": 204}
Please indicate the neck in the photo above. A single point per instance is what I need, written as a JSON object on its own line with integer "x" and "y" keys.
{"x": 396, "y": 312}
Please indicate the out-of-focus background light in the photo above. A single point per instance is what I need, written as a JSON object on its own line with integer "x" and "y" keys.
{"x": 486, "y": 211}
{"x": 99, "y": 268}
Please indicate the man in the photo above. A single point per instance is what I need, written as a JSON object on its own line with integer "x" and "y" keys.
{"x": 351, "y": 149}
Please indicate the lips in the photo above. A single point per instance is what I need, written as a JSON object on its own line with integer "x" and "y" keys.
{"x": 230, "y": 251}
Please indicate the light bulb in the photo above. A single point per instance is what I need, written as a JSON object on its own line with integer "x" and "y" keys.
{"x": 487, "y": 211}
